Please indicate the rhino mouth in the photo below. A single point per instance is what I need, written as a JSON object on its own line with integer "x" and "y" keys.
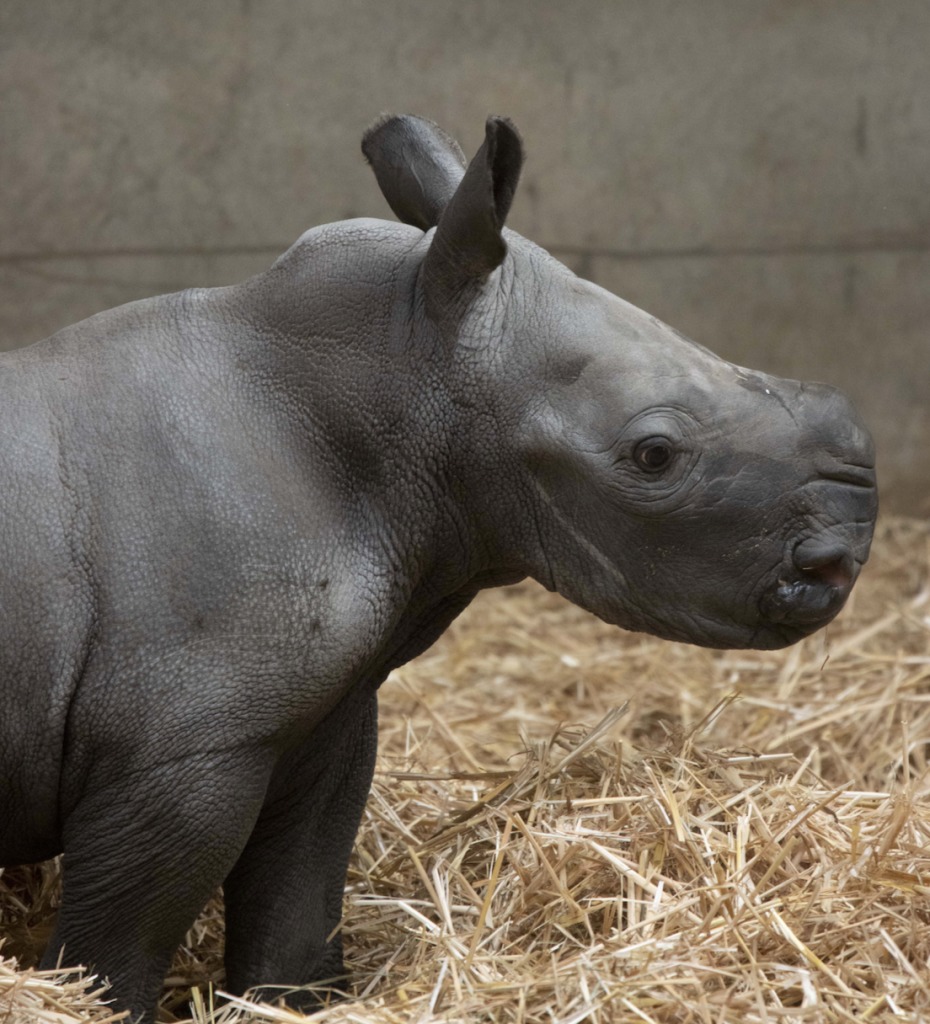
{"x": 801, "y": 603}
{"x": 812, "y": 590}
{"x": 794, "y": 611}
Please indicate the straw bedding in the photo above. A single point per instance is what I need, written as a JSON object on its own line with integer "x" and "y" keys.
{"x": 571, "y": 823}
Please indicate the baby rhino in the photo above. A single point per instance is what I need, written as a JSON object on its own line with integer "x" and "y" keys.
{"x": 227, "y": 514}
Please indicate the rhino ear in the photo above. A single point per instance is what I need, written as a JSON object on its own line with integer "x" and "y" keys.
{"x": 469, "y": 243}
{"x": 418, "y": 166}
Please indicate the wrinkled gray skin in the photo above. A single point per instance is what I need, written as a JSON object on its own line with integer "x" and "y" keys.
{"x": 228, "y": 513}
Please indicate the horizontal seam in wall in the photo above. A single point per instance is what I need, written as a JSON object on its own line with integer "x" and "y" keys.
{"x": 590, "y": 252}
{"x": 725, "y": 252}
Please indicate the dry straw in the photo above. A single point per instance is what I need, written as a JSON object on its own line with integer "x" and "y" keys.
{"x": 570, "y": 824}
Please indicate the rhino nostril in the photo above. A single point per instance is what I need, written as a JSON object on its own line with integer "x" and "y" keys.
{"x": 836, "y": 573}
{"x": 832, "y": 566}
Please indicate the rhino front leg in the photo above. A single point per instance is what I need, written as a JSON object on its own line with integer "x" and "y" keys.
{"x": 284, "y": 896}
{"x": 142, "y": 856}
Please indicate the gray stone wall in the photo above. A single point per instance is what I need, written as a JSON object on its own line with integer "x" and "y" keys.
{"x": 754, "y": 172}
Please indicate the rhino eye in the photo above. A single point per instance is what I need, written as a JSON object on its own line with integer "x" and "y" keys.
{"x": 653, "y": 454}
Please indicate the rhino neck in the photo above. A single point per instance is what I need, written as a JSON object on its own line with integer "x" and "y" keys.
{"x": 365, "y": 384}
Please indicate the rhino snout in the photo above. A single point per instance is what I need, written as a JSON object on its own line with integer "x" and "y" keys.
{"x": 815, "y": 587}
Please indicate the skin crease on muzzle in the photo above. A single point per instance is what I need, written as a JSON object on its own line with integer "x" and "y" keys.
{"x": 226, "y": 515}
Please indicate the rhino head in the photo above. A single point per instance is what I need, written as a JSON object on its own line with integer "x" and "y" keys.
{"x": 615, "y": 461}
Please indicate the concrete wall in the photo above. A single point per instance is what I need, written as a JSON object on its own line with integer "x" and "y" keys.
{"x": 755, "y": 173}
